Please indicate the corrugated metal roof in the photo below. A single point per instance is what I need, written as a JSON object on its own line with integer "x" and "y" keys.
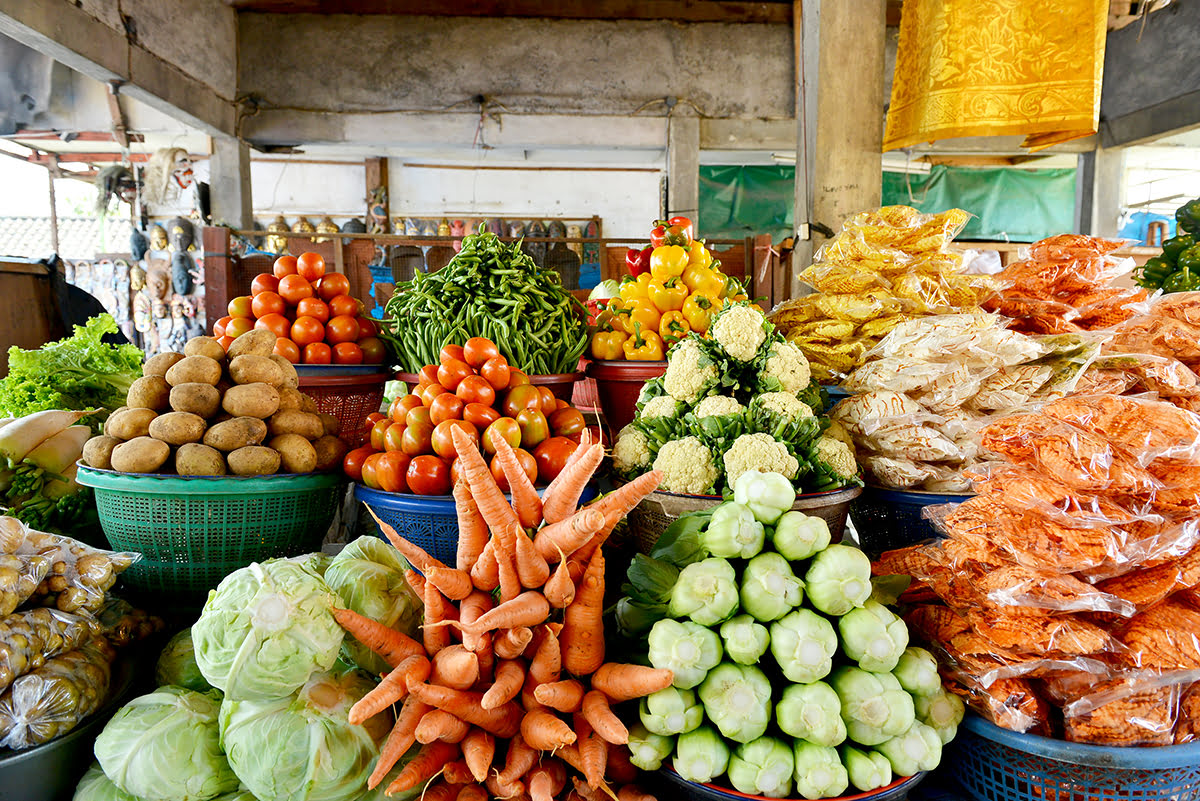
{"x": 78, "y": 237}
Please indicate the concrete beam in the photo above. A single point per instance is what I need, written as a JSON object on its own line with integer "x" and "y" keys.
{"x": 747, "y": 134}
{"x": 1098, "y": 192}
{"x": 683, "y": 167}
{"x": 229, "y": 183}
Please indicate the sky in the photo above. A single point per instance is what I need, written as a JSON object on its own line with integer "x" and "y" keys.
{"x": 27, "y": 192}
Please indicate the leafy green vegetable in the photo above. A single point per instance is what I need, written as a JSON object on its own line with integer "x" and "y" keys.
{"x": 706, "y": 592}
{"x": 798, "y": 536}
{"x": 811, "y": 712}
{"x": 737, "y": 698}
{"x": 646, "y": 749}
{"x": 874, "y": 706}
{"x": 679, "y": 544}
{"x": 671, "y": 711}
{"x": 873, "y": 637}
{"x": 942, "y": 711}
{"x": 838, "y": 579}
{"x": 700, "y": 755}
{"x": 769, "y": 587}
{"x": 763, "y": 767}
{"x": 917, "y": 672}
{"x": 918, "y": 748}
{"x": 868, "y": 770}
{"x": 803, "y": 644}
{"x": 733, "y": 533}
{"x": 745, "y": 640}
{"x": 685, "y": 648}
{"x": 177, "y": 665}
{"x": 767, "y": 495}
{"x": 819, "y": 771}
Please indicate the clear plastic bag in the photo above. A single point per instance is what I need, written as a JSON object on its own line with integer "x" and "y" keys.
{"x": 1144, "y": 372}
{"x": 1130, "y": 709}
{"x": 1064, "y": 635}
{"x": 12, "y": 534}
{"x": 20, "y": 576}
{"x": 1012, "y": 704}
{"x": 1011, "y": 387}
{"x": 122, "y": 624}
{"x": 865, "y": 413}
{"x": 944, "y": 478}
{"x": 1187, "y": 730}
{"x": 1165, "y": 637}
{"x": 79, "y": 574}
{"x": 1146, "y": 429}
{"x": 1159, "y": 335}
{"x": 29, "y": 638}
{"x": 896, "y": 472}
{"x": 53, "y": 699}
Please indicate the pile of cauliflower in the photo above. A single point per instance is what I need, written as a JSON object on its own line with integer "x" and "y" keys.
{"x": 740, "y": 399}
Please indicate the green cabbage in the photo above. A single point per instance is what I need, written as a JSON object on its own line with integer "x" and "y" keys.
{"x": 266, "y": 629}
{"x": 95, "y": 786}
{"x": 164, "y": 747}
{"x": 177, "y": 665}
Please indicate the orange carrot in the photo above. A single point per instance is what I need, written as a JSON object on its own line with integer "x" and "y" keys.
{"x": 424, "y": 766}
{"x": 569, "y": 535}
{"x": 600, "y": 717}
{"x": 563, "y": 696}
{"x": 439, "y": 791}
{"x": 472, "y": 531}
{"x": 505, "y": 547}
{"x": 620, "y": 769}
{"x": 545, "y": 732}
{"x": 511, "y": 643}
{"x": 560, "y": 589}
{"x": 576, "y": 568}
{"x": 546, "y": 665}
{"x": 455, "y": 667}
{"x": 485, "y": 573}
{"x": 416, "y": 581}
{"x": 582, "y": 636}
{"x": 585, "y": 442}
{"x": 391, "y": 645}
{"x": 593, "y": 752}
{"x": 393, "y": 688}
{"x": 401, "y": 739}
{"x": 520, "y": 760}
{"x": 510, "y": 675}
{"x": 532, "y": 568}
{"x": 469, "y": 611}
{"x": 626, "y": 682}
{"x": 631, "y": 792}
{"x": 472, "y": 792}
{"x": 457, "y": 772}
{"x": 437, "y": 611}
{"x": 525, "y": 500}
{"x": 616, "y": 504}
{"x": 562, "y": 497}
{"x": 503, "y": 791}
{"x": 570, "y": 755}
{"x": 503, "y": 721}
{"x": 487, "y": 658}
{"x": 588, "y": 793}
{"x": 547, "y": 780}
{"x": 454, "y": 584}
{"x": 479, "y": 749}
{"x": 492, "y": 506}
{"x": 529, "y": 701}
{"x": 527, "y": 609}
{"x": 438, "y": 724}
{"x": 415, "y": 554}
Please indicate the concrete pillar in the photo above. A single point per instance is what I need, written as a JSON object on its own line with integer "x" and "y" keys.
{"x": 1099, "y": 191}
{"x": 683, "y": 167}
{"x": 229, "y": 183}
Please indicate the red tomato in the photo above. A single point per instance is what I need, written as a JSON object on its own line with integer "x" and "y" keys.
{"x": 367, "y": 327}
{"x": 287, "y": 349}
{"x": 551, "y": 455}
{"x": 284, "y": 265}
{"x": 392, "y": 435}
{"x": 352, "y": 465}
{"x": 455, "y": 472}
{"x": 277, "y": 324}
{"x": 293, "y": 289}
{"x": 241, "y": 306}
{"x": 505, "y": 428}
{"x": 343, "y": 306}
{"x": 342, "y": 328}
{"x": 311, "y": 266}
{"x": 476, "y": 389}
{"x": 369, "y": 467}
{"x": 479, "y": 415}
{"x": 428, "y": 374}
{"x": 264, "y": 282}
{"x": 449, "y": 352}
{"x": 566, "y": 422}
{"x": 397, "y": 410}
{"x": 390, "y": 471}
{"x": 451, "y": 373}
{"x": 374, "y": 351}
{"x": 313, "y": 307}
{"x": 419, "y": 417}
{"x": 411, "y": 401}
{"x": 549, "y": 402}
{"x": 520, "y": 397}
{"x": 561, "y": 404}
{"x": 478, "y": 350}
{"x": 307, "y": 331}
{"x": 378, "y": 432}
{"x": 347, "y": 353}
{"x": 495, "y": 371}
{"x": 446, "y": 407}
{"x": 517, "y": 378}
{"x": 225, "y": 342}
{"x": 430, "y": 393}
{"x": 525, "y": 459}
{"x": 330, "y": 285}
{"x": 375, "y": 417}
{"x": 534, "y": 428}
{"x": 238, "y": 326}
{"x": 417, "y": 440}
{"x": 317, "y": 353}
{"x": 219, "y": 327}
{"x": 265, "y": 303}
{"x": 443, "y": 438}
{"x": 428, "y": 475}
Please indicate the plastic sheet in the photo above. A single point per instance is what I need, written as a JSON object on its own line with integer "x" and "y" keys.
{"x": 53, "y": 699}
{"x": 1147, "y": 429}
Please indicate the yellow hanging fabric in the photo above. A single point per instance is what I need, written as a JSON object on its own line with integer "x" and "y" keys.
{"x": 997, "y": 68}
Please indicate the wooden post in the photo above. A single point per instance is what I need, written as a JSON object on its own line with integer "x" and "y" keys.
{"x": 218, "y": 272}
{"x": 53, "y": 212}
{"x": 683, "y": 166}
{"x": 377, "y": 192}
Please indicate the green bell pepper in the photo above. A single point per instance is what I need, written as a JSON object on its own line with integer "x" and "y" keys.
{"x": 1152, "y": 274}
{"x": 1189, "y": 259}
{"x": 1187, "y": 217}
{"x": 1182, "y": 281}
{"x": 1176, "y": 245}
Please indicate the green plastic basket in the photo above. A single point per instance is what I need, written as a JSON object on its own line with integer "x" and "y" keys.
{"x": 194, "y": 531}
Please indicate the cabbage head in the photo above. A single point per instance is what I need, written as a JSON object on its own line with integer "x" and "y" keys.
{"x": 266, "y": 629}
{"x": 303, "y": 747}
{"x": 177, "y": 665}
{"x": 95, "y": 786}
{"x": 165, "y": 747}
{"x": 368, "y": 575}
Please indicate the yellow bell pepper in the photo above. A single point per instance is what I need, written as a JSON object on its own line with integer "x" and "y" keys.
{"x": 668, "y": 295}
{"x": 704, "y": 280}
{"x": 635, "y": 287}
{"x": 638, "y": 311}
{"x": 643, "y": 346}
{"x": 698, "y": 255}
{"x": 673, "y": 327}
{"x": 698, "y": 308}
{"x": 668, "y": 261}
{"x": 606, "y": 345}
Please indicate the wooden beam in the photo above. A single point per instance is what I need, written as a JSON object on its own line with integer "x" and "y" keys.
{"x": 73, "y": 136}
{"x": 779, "y": 13}
{"x": 88, "y": 158}
{"x": 119, "y": 134}
{"x": 969, "y": 161}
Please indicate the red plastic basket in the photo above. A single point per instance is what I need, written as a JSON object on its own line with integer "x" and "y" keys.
{"x": 349, "y": 398}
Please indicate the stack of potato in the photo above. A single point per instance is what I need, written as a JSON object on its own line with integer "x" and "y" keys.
{"x": 207, "y": 413}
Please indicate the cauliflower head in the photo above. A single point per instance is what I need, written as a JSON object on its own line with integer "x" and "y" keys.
{"x": 687, "y": 466}
{"x": 718, "y": 406}
{"x": 837, "y": 455}
{"x": 760, "y": 452}
{"x": 691, "y": 374}
{"x": 740, "y": 331}
{"x": 784, "y": 418}
{"x": 784, "y": 404}
{"x": 662, "y": 406}
{"x": 785, "y": 369}
{"x": 631, "y": 453}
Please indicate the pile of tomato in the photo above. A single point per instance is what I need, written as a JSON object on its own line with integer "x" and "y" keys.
{"x": 411, "y": 448}
{"x": 310, "y": 310}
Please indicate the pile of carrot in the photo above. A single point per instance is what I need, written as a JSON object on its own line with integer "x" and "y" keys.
{"x": 508, "y": 692}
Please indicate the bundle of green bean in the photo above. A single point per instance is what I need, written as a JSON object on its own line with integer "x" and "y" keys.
{"x": 489, "y": 289}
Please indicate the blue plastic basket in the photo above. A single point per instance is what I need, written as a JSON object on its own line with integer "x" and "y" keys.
{"x": 888, "y": 518}
{"x": 995, "y": 764}
{"x": 428, "y": 521}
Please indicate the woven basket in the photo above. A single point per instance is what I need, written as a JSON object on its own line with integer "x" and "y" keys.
{"x": 348, "y": 396}
{"x": 887, "y": 518}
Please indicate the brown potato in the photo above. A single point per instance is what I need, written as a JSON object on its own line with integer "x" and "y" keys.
{"x": 149, "y": 392}
{"x": 290, "y": 399}
{"x": 330, "y": 452}
{"x": 195, "y": 370}
{"x": 201, "y": 399}
{"x": 178, "y": 428}
{"x": 255, "y": 343}
{"x": 290, "y": 377}
{"x": 97, "y": 451}
{"x": 307, "y": 404}
{"x": 332, "y": 424}
{"x": 236, "y": 433}
{"x": 158, "y": 365}
{"x": 296, "y": 454}
{"x": 140, "y": 455}
{"x": 130, "y": 423}
{"x": 255, "y": 370}
{"x": 291, "y": 421}
{"x": 194, "y": 459}
{"x": 253, "y": 460}
{"x": 204, "y": 346}
{"x": 251, "y": 400}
